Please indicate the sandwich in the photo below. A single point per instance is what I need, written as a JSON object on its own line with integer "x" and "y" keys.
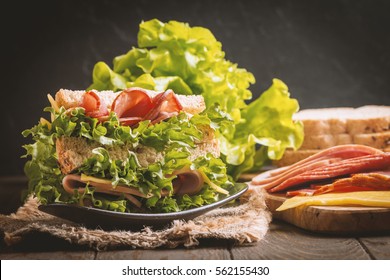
{"x": 133, "y": 150}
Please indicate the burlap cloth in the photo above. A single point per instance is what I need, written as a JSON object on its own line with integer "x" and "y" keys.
{"x": 244, "y": 223}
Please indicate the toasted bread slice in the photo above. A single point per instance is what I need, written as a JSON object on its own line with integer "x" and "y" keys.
{"x": 73, "y": 151}
{"x": 192, "y": 104}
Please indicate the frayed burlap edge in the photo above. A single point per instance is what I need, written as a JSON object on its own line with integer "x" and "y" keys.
{"x": 246, "y": 223}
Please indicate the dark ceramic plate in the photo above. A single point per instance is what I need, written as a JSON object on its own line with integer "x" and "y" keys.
{"x": 93, "y": 217}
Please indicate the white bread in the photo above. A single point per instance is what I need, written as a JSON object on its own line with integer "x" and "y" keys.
{"x": 375, "y": 140}
{"x": 324, "y": 141}
{"x": 379, "y": 140}
{"x": 366, "y": 119}
{"x": 323, "y": 121}
{"x": 192, "y": 104}
{"x": 324, "y": 128}
{"x": 369, "y": 119}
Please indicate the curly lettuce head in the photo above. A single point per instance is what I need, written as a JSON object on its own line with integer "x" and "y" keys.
{"x": 189, "y": 60}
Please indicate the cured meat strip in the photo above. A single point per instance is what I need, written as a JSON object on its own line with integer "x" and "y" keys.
{"x": 344, "y": 167}
{"x": 340, "y": 151}
{"x": 372, "y": 180}
{"x": 358, "y": 182}
{"x": 272, "y": 181}
{"x": 272, "y": 178}
{"x": 302, "y": 192}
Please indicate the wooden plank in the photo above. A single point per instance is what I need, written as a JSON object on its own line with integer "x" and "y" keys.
{"x": 286, "y": 242}
{"x": 332, "y": 219}
{"x": 168, "y": 254}
{"x": 377, "y": 246}
{"x": 208, "y": 250}
{"x": 43, "y": 246}
{"x": 56, "y": 255}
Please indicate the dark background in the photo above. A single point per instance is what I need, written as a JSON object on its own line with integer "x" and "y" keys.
{"x": 329, "y": 53}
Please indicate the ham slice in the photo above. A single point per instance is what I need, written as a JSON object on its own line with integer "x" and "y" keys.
{"x": 94, "y": 107}
{"x": 134, "y": 105}
{"x": 187, "y": 181}
{"x": 76, "y": 183}
{"x": 73, "y": 182}
{"x": 165, "y": 105}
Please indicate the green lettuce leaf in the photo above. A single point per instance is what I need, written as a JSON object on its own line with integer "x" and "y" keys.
{"x": 189, "y": 60}
{"x": 266, "y": 131}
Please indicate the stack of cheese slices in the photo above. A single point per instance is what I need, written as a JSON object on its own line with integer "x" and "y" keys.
{"x": 328, "y": 127}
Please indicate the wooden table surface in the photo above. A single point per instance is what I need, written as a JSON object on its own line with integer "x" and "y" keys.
{"x": 283, "y": 241}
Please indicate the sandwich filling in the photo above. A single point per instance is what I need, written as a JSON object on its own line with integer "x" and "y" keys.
{"x": 132, "y": 151}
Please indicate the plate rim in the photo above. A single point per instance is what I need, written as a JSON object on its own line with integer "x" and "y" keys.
{"x": 147, "y": 216}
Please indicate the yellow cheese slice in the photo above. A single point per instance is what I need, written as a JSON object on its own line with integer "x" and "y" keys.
{"x": 366, "y": 198}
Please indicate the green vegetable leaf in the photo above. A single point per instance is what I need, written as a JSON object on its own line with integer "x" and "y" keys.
{"x": 105, "y": 78}
{"x": 268, "y": 123}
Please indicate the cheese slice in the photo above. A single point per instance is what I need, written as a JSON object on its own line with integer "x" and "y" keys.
{"x": 366, "y": 198}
